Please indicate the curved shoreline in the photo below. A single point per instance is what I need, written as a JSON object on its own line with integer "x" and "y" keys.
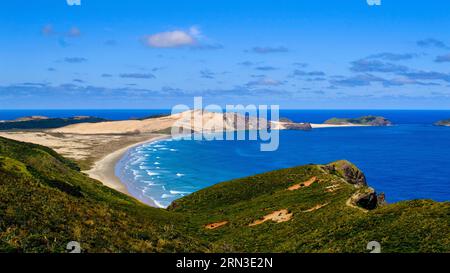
{"x": 104, "y": 169}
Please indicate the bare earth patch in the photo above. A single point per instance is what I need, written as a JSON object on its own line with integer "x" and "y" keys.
{"x": 333, "y": 188}
{"x": 303, "y": 184}
{"x": 278, "y": 216}
{"x": 316, "y": 207}
{"x": 216, "y": 225}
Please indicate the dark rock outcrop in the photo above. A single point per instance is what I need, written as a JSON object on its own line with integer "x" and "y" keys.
{"x": 347, "y": 171}
{"x": 368, "y": 201}
{"x": 297, "y": 126}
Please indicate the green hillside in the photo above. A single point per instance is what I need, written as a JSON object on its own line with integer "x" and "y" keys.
{"x": 45, "y": 202}
{"x": 45, "y": 123}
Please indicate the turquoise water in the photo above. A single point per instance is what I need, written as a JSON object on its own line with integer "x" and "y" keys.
{"x": 407, "y": 161}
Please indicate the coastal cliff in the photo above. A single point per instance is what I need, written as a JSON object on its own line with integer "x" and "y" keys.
{"x": 47, "y": 202}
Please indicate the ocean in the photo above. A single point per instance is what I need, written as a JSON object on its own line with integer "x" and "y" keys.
{"x": 406, "y": 161}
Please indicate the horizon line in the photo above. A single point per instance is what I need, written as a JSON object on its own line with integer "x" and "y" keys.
{"x": 168, "y": 109}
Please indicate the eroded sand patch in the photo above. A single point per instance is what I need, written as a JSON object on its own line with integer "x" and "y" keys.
{"x": 278, "y": 216}
{"x": 316, "y": 207}
{"x": 216, "y": 225}
{"x": 303, "y": 184}
{"x": 333, "y": 188}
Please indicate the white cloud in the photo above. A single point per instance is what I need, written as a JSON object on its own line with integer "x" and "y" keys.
{"x": 172, "y": 39}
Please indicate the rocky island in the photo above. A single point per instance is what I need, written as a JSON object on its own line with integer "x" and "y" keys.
{"x": 361, "y": 121}
{"x": 443, "y": 123}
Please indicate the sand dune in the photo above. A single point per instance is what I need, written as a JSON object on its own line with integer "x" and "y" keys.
{"x": 195, "y": 120}
{"x": 118, "y": 127}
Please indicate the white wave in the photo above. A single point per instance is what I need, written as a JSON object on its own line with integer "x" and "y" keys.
{"x": 165, "y": 196}
{"x": 148, "y": 182}
{"x": 152, "y": 173}
{"x": 156, "y": 163}
{"x": 179, "y": 174}
{"x": 137, "y": 160}
{"x": 179, "y": 192}
{"x": 158, "y": 204}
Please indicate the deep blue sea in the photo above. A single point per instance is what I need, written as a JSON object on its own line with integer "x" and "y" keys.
{"x": 406, "y": 161}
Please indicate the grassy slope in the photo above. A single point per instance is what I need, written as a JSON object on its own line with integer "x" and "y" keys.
{"x": 46, "y": 202}
{"x": 405, "y": 227}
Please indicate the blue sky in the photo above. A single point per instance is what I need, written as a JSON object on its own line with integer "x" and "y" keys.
{"x": 155, "y": 54}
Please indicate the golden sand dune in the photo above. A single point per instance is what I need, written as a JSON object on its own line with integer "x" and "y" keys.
{"x": 118, "y": 127}
{"x": 195, "y": 120}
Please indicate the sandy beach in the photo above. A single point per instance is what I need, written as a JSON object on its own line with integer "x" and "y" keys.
{"x": 104, "y": 169}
